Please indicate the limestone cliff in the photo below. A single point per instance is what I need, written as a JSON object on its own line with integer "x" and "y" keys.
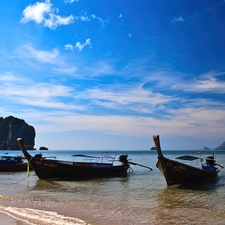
{"x": 12, "y": 128}
{"x": 221, "y": 147}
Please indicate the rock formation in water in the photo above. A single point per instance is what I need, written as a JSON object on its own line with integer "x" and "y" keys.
{"x": 12, "y": 128}
{"x": 43, "y": 148}
{"x": 221, "y": 147}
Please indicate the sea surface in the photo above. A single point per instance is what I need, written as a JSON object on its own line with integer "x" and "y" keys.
{"x": 140, "y": 198}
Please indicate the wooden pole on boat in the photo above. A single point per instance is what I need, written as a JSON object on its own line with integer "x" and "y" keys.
{"x": 124, "y": 160}
{"x": 157, "y": 145}
{"x": 23, "y": 149}
{"x": 136, "y": 164}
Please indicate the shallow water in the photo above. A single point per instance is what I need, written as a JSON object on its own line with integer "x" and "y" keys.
{"x": 140, "y": 198}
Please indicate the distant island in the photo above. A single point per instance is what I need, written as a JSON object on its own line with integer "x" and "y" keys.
{"x": 221, "y": 147}
{"x": 43, "y": 148}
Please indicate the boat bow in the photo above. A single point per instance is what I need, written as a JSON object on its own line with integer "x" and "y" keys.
{"x": 23, "y": 149}
{"x": 157, "y": 145}
{"x": 176, "y": 172}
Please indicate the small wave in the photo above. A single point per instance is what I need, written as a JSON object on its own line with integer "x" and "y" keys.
{"x": 34, "y": 216}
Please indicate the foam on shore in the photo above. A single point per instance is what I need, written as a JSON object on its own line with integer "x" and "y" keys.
{"x": 14, "y": 216}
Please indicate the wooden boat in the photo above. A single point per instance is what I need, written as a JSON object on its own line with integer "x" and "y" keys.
{"x": 46, "y": 168}
{"x": 12, "y": 163}
{"x": 176, "y": 172}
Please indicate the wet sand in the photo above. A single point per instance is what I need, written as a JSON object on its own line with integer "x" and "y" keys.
{"x": 5, "y": 219}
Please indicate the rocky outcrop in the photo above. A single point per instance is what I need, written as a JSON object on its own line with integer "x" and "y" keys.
{"x": 43, "y": 148}
{"x": 221, "y": 147}
{"x": 12, "y": 128}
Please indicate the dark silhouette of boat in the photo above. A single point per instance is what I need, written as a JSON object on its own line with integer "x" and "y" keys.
{"x": 46, "y": 168}
{"x": 12, "y": 163}
{"x": 176, "y": 172}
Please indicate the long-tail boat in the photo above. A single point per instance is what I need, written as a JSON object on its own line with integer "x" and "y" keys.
{"x": 12, "y": 163}
{"x": 46, "y": 168}
{"x": 176, "y": 172}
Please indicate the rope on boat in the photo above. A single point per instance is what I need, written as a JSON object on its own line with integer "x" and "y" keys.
{"x": 159, "y": 176}
{"x": 130, "y": 170}
{"x": 150, "y": 183}
{"x": 28, "y": 167}
{"x": 28, "y": 173}
{"x": 20, "y": 180}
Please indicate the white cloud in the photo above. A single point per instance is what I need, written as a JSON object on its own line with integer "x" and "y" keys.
{"x": 69, "y": 47}
{"x": 206, "y": 83}
{"x": 43, "y": 12}
{"x": 120, "y": 16}
{"x": 70, "y": 70}
{"x": 62, "y": 111}
{"x": 127, "y": 97}
{"x": 80, "y": 46}
{"x": 54, "y": 20}
{"x": 60, "y": 63}
{"x": 8, "y": 77}
{"x": 20, "y": 90}
{"x": 101, "y": 68}
{"x": 60, "y": 120}
{"x": 36, "y": 12}
{"x": 103, "y": 22}
{"x": 177, "y": 19}
{"x": 70, "y": 1}
{"x": 28, "y": 51}
{"x": 84, "y": 18}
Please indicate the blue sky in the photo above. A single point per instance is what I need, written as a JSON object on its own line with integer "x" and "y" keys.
{"x": 109, "y": 74}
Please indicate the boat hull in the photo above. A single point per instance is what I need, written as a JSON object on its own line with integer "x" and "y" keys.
{"x": 179, "y": 173}
{"x": 13, "y": 168}
{"x": 66, "y": 170}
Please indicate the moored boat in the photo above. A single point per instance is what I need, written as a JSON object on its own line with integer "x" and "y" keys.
{"x": 46, "y": 168}
{"x": 12, "y": 163}
{"x": 176, "y": 172}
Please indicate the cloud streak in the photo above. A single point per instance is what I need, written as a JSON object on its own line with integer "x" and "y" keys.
{"x": 48, "y": 57}
{"x": 123, "y": 107}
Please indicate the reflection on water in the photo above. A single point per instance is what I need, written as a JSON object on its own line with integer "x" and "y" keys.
{"x": 46, "y": 185}
{"x": 182, "y": 205}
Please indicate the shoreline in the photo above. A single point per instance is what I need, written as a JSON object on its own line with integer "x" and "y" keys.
{"x": 9, "y": 220}
{"x": 12, "y": 213}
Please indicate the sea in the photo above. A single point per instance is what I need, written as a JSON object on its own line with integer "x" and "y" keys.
{"x": 142, "y": 197}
